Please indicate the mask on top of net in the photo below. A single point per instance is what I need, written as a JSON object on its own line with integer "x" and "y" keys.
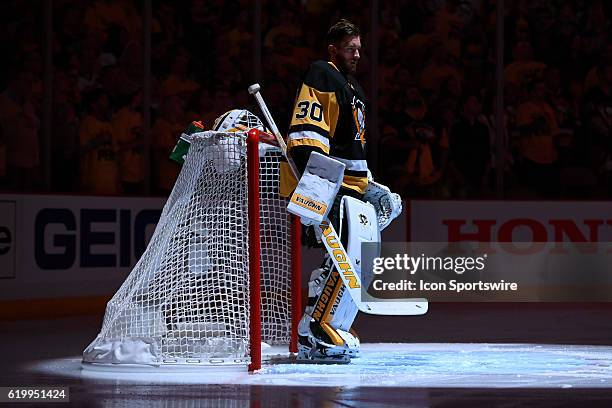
{"x": 237, "y": 120}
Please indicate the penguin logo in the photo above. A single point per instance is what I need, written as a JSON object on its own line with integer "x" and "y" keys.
{"x": 359, "y": 119}
{"x": 363, "y": 220}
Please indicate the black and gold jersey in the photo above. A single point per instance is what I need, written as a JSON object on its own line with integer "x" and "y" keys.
{"x": 329, "y": 117}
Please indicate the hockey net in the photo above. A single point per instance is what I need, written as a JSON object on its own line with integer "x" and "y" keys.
{"x": 186, "y": 302}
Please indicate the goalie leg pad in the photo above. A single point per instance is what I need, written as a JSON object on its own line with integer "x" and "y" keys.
{"x": 324, "y": 331}
{"x": 320, "y": 338}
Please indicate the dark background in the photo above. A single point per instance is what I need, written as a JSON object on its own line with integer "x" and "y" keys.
{"x": 431, "y": 69}
{"x": 146, "y": 68}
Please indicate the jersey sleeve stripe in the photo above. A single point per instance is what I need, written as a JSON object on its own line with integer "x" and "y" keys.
{"x": 307, "y": 142}
{"x": 355, "y": 165}
{"x": 309, "y": 134}
{"x": 356, "y": 173}
{"x": 310, "y": 128}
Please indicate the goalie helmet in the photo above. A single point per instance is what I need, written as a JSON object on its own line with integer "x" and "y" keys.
{"x": 237, "y": 120}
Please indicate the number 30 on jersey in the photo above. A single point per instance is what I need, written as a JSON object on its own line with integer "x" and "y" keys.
{"x": 314, "y": 110}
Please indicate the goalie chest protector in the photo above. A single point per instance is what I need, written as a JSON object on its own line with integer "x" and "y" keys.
{"x": 329, "y": 115}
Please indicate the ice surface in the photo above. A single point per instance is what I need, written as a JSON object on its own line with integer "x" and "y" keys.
{"x": 402, "y": 365}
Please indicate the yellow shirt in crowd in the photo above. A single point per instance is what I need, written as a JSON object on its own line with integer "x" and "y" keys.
{"x": 519, "y": 73}
{"x": 539, "y": 148}
{"x": 20, "y": 133}
{"x": 99, "y": 173}
{"x": 127, "y": 127}
{"x": 175, "y": 85}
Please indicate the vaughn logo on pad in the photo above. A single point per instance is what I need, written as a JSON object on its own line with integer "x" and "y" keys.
{"x": 308, "y": 203}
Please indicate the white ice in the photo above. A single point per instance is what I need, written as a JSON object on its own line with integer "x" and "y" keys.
{"x": 401, "y": 365}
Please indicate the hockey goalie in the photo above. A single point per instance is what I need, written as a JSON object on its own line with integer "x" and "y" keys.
{"x": 327, "y": 143}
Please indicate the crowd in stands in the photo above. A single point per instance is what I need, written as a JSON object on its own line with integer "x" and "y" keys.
{"x": 437, "y": 129}
{"x": 438, "y": 79}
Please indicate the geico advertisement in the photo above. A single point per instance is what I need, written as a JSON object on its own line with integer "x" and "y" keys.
{"x": 510, "y": 221}
{"x": 59, "y": 241}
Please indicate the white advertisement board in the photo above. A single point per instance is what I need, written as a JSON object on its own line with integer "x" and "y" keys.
{"x": 62, "y": 246}
{"x": 71, "y": 245}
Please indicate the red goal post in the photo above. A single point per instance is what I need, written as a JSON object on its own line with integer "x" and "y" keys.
{"x": 254, "y": 138}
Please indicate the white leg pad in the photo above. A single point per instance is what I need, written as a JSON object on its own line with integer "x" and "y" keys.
{"x": 334, "y": 310}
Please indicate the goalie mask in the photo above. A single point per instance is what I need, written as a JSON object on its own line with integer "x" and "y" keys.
{"x": 237, "y": 120}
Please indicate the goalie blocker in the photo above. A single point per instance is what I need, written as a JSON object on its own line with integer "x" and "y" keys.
{"x": 317, "y": 189}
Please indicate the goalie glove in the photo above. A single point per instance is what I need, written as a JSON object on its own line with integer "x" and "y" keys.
{"x": 388, "y": 205}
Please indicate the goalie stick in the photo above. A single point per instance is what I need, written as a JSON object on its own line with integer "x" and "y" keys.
{"x": 336, "y": 250}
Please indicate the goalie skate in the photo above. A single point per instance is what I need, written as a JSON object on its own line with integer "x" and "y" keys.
{"x": 313, "y": 348}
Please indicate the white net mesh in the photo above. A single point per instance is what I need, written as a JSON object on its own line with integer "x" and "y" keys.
{"x": 186, "y": 300}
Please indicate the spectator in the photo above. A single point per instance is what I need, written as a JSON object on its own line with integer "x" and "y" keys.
{"x": 98, "y": 147}
{"x": 564, "y": 30}
{"x": 596, "y": 77}
{"x": 283, "y": 62}
{"x": 477, "y": 70}
{"x": 65, "y": 146}
{"x": 179, "y": 82}
{"x": 20, "y": 124}
{"x": 450, "y": 26}
{"x": 598, "y": 128}
{"x": 523, "y": 68}
{"x": 412, "y": 150}
{"x": 202, "y": 108}
{"x": 470, "y": 148}
{"x": 597, "y": 32}
{"x": 127, "y": 127}
{"x": 103, "y": 15}
{"x": 89, "y": 63}
{"x": 132, "y": 67}
{"x": 390, "y": 65}
{"x": 223, "y": 101}
{"x": 165, "y": 133}
{"x": 489, "y": 117}
{"x": 538, "y": 130}
{"x": 437, "y": 71}
{"x": 288, "y": 26}
{"x": 239, "y": 34}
